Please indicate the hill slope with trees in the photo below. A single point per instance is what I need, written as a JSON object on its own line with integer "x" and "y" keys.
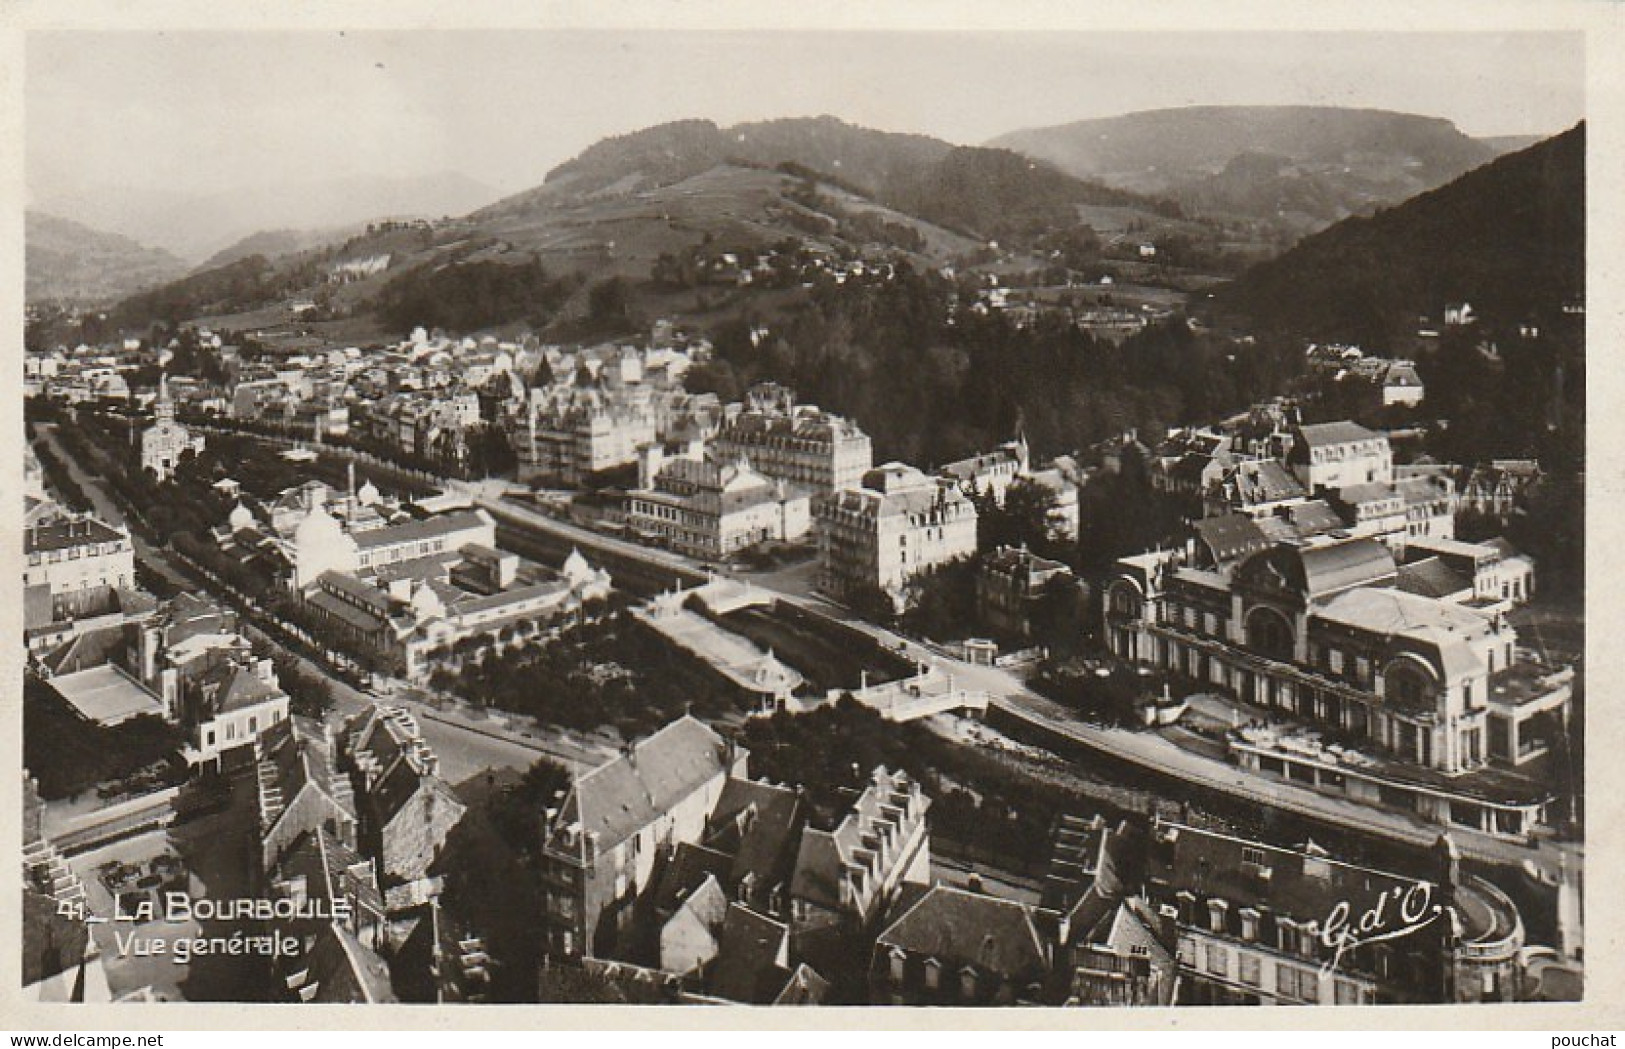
{"x": 1509, "y": 238}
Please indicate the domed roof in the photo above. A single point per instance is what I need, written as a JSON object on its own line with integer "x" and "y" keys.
{"x": 575, "y": 568}
{"x": 773, "y": 676}
{"x": 241, "y": 517}
{"x": 320, "y": 530}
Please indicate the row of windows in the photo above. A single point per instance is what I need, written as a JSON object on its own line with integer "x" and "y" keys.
{"x": 1291, "y": 981}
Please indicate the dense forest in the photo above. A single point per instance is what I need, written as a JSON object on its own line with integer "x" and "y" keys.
{"x": 244, "y": 284}
{"x": 468, "y": 296}
{"x": 931, "y": 385}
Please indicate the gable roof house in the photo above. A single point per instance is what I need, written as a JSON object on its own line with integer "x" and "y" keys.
{"x": 300, "y": 789}
{"x": 601, "y": 843}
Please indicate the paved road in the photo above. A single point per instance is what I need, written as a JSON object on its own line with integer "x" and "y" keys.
{"x": 463, "y": 752}
{"x": 1147, "y": 749}
{"x": 469, "y": 750}
{"x": 109, "y": 511}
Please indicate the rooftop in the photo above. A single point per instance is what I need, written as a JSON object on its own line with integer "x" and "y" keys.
{"x": 106, "y": 695}
{"x": 1344, "y": 432}
{"x": 69, "y": 533}
{"x": 634, "y": 789}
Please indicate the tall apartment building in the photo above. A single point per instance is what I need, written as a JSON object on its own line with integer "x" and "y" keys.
{"x": 714, "y": 509}
{"x": 798, "y": 444}
{"x": 73, "y": 566}
{"x": 1258, "y": 924}
{"x": 897, "y": 524}
{"x": 567, "y": 434}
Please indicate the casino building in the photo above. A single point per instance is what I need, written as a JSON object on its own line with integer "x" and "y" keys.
{"x": 1345, "y": 682}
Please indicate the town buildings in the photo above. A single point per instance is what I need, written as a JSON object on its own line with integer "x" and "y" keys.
{"x": 713, "y": 509}
{"x": 166, "y": 441}
{"x": 602, "y": 840}
{"x": 961, "y": 948}
{"x": 1339, "y": 455}
{"x": 895, "y": 525}
{"x": 567, "y": 434}
{"x": 1258, "y": 924}
{"x": 405, "y": 809}
{"x": 1422, "y": 691}
{"x": 74, "y": 566}
{"x": 1012, "y": 585}
{"x": 797, "y": 444}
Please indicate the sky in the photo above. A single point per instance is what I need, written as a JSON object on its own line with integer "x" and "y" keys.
{"x": 204, "y": 112}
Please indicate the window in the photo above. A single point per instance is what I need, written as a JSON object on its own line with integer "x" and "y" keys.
{"x": 1297, "y": 983}
{"x": 1250, "y": 970}
{"x": 1216, "y": 957}
{"x": 1348, "y": 993}
{"x": 1252, "y": 856}
{"x": 897, "y": 959}
{"x": 967, "y": 983}
{"x": 933, "y": 973}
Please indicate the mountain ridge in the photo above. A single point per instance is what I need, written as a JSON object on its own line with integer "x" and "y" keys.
{"x": 68, "y": 261}
{"x": 1508, "y": 237}
{"x": 1333, "y": 161}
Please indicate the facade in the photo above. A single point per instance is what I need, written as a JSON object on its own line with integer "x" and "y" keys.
{"x": 797, "y": 444}
{"x": 406, "y": 809}
{"x": 713, "y": 509}
{"x": 601, "y": 842}
{"x": 166, "y": 441}
{"x": 1430, "y": 506}
{"x": 1255, "y": 487}
{"x": 1339, "y": 454}
{"x": 1498, "y": 577}
{"x": 568, "y": 434}
{"x": 991, "y": 473}
{"x": 1424, "y": 692}
{"x": 228, "y": 706}
{"x": 898, "y": 524}
{"x": 1011, "y": 583}
{"x": 76, "y": 563}
{"x": 1259, "y": 925}
{"x": 845, "y": 879}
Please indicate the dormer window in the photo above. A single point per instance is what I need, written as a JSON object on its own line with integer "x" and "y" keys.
{"x": 897, "y": 960}
{"x": 933, "y": 974}
{"x": 1216, "y": 911}
{"x": 1249, "y": 923}
{"x": 967, "y": 983}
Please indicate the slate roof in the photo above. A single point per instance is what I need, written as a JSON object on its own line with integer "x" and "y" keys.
{"x": 1344, "y": 432}
{"x": 632, "y": 790}
{"x": 331, "y": 869}
{"x": 1229, "y": 536}
{"x": 1302, "y": 886}
{"x": 239, "y": 687}
{"x": 70, "y": 533}
{"x": 690, "y": 865}
{"x": 345, "y": 971}
{"x": 805, "y": 987}
{"x": 759, "y": 824}
{"x": 1431, "y": 577}
{"x": 959, "y": 928}
{"x": 428, "y": 528}
{"x": 746, "y": 969}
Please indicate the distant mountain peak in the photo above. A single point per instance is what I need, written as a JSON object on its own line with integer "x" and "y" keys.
{"x": 1343, "y": 160}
